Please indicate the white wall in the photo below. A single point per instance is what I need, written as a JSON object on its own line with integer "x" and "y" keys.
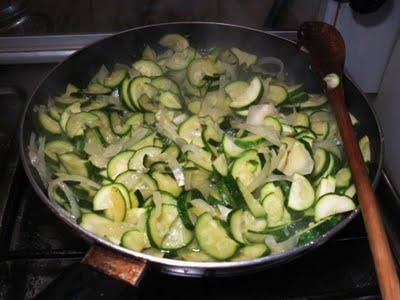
{"x": 387, "y": 107}
{"x": 369, "y": 40}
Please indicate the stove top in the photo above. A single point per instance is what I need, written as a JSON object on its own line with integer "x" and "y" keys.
{"x": 42, "y": 17}
{"x": 35, "y": 247}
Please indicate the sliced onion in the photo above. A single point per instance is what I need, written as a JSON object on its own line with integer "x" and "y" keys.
{"x": 37, "y": 157}
{"x": 270, "y": 60}
{"x": 166, "y": 129}
{"x": 99, "y": 156}
{"x": 188, "y": 180}
{"x": 112, "y": 99}
{"x": 223, "y": 212}
{"x": 157, "y": 204}
{"x": 62, "y": 177}
{"x": 75, "y": 209}
{"x": 257, "y": 113}
{"x": 203, "y": 206}
{"x": 274, "y": 177}
{"x": 133, "y": 73}
{"x": 222, "y": 83}
{"x": 60, "y": 182}
{"x": 283, "y": 246}
{"x": 328, "y": 143}
{"x": 180, "y": 118}
{"x": 274, "y": 160}
{"x": 190, "y": 147}
{"x": 213, "y": 125}
{"x": 265, "y": 132}
{"x": 264, "y": 98}
{"x": 92, "y": 147}
{"x": 215, "y": 105}
{"x": 176, "y": 169}
{"x": 101, "y": 74}
{"x": 261, "y": 178}
{"x": 129, "y": 142}
{"x": 101, "y": 160}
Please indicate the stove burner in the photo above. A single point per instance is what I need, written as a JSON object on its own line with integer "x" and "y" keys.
{"x": 13, "y": 13}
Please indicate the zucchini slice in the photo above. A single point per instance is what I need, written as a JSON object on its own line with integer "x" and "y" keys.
{"x": 249, "y": 96}
{"x": 116, "y": 124}
{"x": 343, "y": 178}
{"x": 136, "y": 162}
{"x": 190, "y": 130}
{"x": 180, "y": 60}
{"x": 321, "y": 162}
{"x": 139, "y": 87}
{"x": 213, "y": 238}
{"x": 199, "y": 70}
{"x": 274, "y": 206}
{"x": 332, "y": 204}
{"x": 94, "y": 89}
{"x": 246, "y": 167}
{"x": 244, "y": 58}
{"x": 254, "y": 206}
{"x": 74, "y": 164}
{"x": 220, "y": 165}
{"x": 174, "y": 41}
{"x": 57, "y": 147}
{"x": 165, "y": 84}
{"x": 365, "y": 148}
{"x": 104, "y": 227}
{"x": 201, "y": 158}
{"x": 118, "y": 164}
{"x": 78, "y": 123}
{"x": 277, "y": 94}
{"x": 325, "y": 186}
{"x": 178, "y": 236}
{"x": 301, "y": 195}
{"x": 158, "y": 226}
{"x": 252, "y": 252}
{"x": 112, "y": 200}
{"x": 147, "y": 68}
{"x": 230, "y": 148}
{"x": 49, "y": 125}
{"x": 170, "y": 100}
{"x": 124, "y": 94}
{"x": 135, "y": 181}
{"x": 167, "y": 183}
{"x": 115, "y": 78}
{"x": 135, "y": 240}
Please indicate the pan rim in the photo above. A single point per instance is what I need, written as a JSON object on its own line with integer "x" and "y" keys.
{"x": 266, "y": 260}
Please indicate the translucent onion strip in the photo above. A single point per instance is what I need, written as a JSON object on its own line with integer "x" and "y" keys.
{"x": 157, "y": 204}
{"x": 257, "y": 113}
{"x": 283, "y": 246}
{"x": 37, "y": 157}
{"x": 75, "y": 210}
{"x": 274, "y": 61}
{"x": 176, "y": 169}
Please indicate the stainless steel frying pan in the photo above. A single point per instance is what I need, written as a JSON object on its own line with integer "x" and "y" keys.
{"x": 124, "y": 47}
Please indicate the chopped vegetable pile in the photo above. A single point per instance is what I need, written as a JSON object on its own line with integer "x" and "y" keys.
{"x": 195, "y": 156}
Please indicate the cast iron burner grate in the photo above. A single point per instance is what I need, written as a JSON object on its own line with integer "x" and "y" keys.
{"x": 35, "y": 247}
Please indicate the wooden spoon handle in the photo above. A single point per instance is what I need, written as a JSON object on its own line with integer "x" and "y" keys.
{"x": 383, "y": 259}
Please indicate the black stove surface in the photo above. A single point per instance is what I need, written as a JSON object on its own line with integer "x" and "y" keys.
{"x": 35, "y": 247}
{"x": 42, "y": 17}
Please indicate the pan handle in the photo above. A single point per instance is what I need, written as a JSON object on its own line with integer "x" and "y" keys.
{"x": 102, "y": 273}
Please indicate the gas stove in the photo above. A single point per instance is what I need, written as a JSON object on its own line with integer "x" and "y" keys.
{"x": 35, "y": 247}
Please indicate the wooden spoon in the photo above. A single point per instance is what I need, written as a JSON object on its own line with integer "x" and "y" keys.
{"x": 327, "y": 50}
